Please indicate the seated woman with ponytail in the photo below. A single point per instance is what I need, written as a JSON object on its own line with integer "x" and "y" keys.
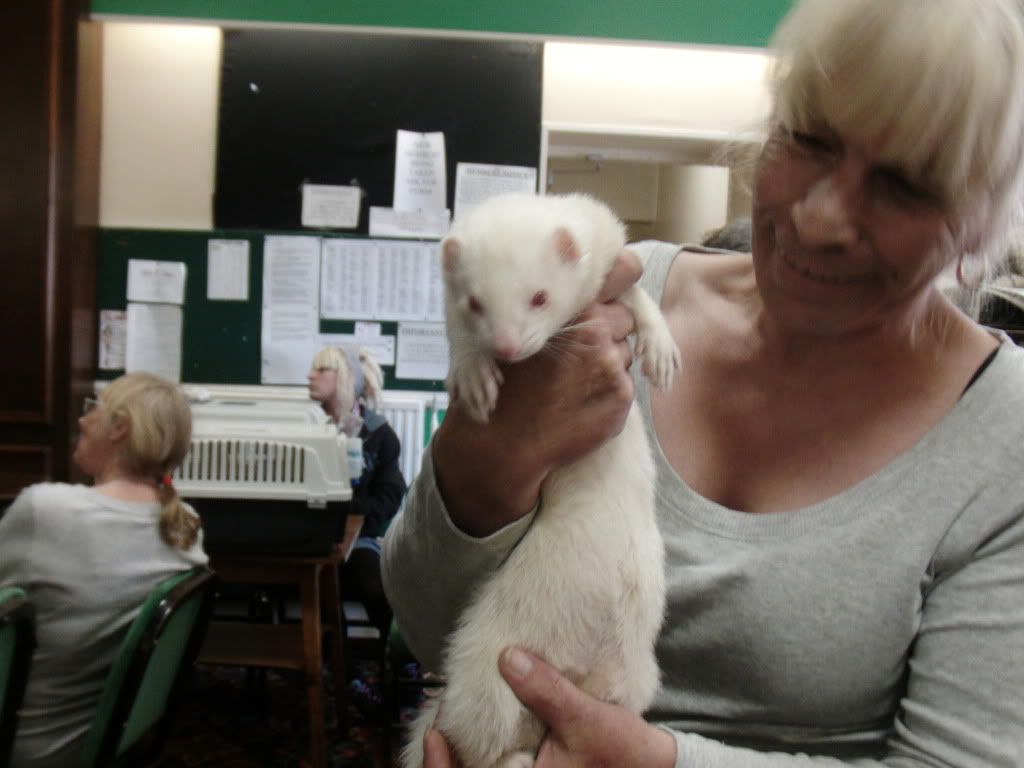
{"x": 348, "y": 383}
{"x": 89, "y": 555}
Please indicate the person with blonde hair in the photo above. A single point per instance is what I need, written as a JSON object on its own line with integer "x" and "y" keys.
{"x": 348, "y": 384}
{"x": 838, "y": 477}
{"x": 88, "y": 556}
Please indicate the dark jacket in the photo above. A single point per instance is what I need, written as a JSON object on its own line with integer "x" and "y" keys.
{"x": 378, "y": 495}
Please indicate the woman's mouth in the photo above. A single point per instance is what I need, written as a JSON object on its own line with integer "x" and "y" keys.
{"x": 826, "y": 278}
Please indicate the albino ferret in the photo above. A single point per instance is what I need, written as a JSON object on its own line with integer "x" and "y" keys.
{"x": 584, "y": 589}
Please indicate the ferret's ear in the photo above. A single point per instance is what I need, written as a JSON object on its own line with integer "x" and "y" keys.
{"x": 565, "y": 245}
{"x": 450, "y": 250}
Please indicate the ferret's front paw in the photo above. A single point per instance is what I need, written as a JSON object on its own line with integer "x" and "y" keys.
{"x": 477, "y": 382}
{"x": 659, "y": 356}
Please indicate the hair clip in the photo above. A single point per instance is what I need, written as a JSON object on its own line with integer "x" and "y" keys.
{"x": 166, "y": 481}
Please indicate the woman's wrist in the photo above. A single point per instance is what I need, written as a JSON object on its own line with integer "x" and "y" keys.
{"x": 486, "y": 479}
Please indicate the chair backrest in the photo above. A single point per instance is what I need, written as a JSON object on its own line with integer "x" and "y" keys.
{"x": 17, "y": 643}
{"x": 133, "y": 714}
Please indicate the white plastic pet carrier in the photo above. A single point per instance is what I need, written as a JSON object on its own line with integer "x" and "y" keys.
{"x": 266, "y": 485}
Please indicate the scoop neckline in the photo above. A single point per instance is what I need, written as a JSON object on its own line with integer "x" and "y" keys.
{"x": 840, "y": 508}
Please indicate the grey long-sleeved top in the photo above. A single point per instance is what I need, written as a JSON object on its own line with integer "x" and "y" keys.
{"x": 87, "y": 562}
{"x": 882, "y": 626}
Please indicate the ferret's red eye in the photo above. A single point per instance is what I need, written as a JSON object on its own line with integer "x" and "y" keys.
{"x": 539, "y": 299}
{"x": 475, "y": 305}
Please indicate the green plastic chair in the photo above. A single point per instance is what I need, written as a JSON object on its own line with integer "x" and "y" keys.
{"x": 17, "y": 643}
{"x": 135, "y": 711}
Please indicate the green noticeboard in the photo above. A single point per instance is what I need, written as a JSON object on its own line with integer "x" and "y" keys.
{"x": 220, "y": 339}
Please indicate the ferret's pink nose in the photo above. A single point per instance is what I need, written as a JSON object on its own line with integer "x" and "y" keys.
{"x": 506, "y": 346}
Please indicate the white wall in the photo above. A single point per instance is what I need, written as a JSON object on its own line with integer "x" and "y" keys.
{"x": 160, "y": 86}
{"x": 692, "y": 200}
{"x": 159, "y": 129}
{"x": 654, "y": 88}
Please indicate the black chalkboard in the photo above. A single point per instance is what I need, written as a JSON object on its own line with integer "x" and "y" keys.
{"x": 323, "y": 108}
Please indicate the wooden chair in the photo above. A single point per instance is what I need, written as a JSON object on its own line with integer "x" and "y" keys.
{"x": 17, "y": 643}
{"x": 135, "y": 710}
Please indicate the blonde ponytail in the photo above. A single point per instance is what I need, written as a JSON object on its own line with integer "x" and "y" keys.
{"x": 179, "y": 527}
{"x": 373, "y": 378}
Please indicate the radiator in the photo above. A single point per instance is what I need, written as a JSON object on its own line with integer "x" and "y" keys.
{"x": 406, "y": 416}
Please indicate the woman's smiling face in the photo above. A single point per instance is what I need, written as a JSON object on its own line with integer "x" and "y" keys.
{"x": 844, "y": 240}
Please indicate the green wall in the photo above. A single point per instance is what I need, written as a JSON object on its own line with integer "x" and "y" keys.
{"x": 713, "y": 22}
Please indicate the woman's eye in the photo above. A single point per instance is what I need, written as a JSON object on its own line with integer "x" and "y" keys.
{"x": 811, "y": 141}
{"x": 898, "y": 187}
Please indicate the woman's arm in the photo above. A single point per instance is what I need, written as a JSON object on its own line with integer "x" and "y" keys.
{"x": 962, "y": 707}
{"x": 381, "y": 497}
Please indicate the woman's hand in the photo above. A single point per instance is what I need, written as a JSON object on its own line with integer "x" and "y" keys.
{"x": 582, "y": 731}
{"x": 553, "y": 408}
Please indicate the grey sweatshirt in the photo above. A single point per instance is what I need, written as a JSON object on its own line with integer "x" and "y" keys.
{"x": 883, "y": 626}
{"x": 87, "y": 562}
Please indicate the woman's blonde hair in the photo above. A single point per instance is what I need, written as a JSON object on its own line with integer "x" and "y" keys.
{"x": 938, "y": 85}
{"x": 159, "y": 423}
{"x": 370, "y": 373}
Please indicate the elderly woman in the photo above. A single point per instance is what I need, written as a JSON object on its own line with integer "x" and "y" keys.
{"x": 89, "y": 556}
{"x": 348, "y": 384}
{"x": 839, "y": 485}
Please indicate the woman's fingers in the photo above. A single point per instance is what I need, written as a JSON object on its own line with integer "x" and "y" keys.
{"x": 435, "y": 751}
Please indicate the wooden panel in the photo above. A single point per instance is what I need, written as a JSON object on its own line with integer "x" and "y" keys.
{"x": 48, "y": 205}
{"x": 21, "y": 466}
{"x": 24, "y": 203}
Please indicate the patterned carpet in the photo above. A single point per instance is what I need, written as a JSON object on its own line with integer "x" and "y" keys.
{"x": 229, "y": 718}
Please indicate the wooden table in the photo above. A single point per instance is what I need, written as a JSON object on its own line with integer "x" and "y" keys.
{"x": 290, "y": 646}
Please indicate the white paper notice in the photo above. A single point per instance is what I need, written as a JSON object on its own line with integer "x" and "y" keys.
{"x": 475, "y": 182}
{"x": 159, "y": 281}
{"x": 154, "y": 340}
{"x": 435, "y": 287}
{"x": 227, "y": 270}
{"x": 289, "y": 342}
{"x": 381, "y": 347}
{"x": 380, "y": 280}
{"x": 291, "y": 308}
{"x": 364, "y": 329}
{"x": 420, "y": 181}
{"x": 291, "y": 267}
{"x": 348, "y": 279}
{"x": 113, "y": 336}
{"x": 388, "y": 222}
{"x": 422, "y": 351}
{"x": 324, "y": 205}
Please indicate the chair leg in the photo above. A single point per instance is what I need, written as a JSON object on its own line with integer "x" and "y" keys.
{"x": 332, "y": 609}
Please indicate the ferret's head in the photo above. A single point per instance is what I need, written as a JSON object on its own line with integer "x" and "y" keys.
{"x": 513, "y": 290}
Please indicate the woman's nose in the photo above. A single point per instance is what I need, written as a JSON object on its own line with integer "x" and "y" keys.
{"x": 827, "y": 216}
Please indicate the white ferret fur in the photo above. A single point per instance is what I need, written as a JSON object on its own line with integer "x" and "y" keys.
{"x": 584, "y": 589}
